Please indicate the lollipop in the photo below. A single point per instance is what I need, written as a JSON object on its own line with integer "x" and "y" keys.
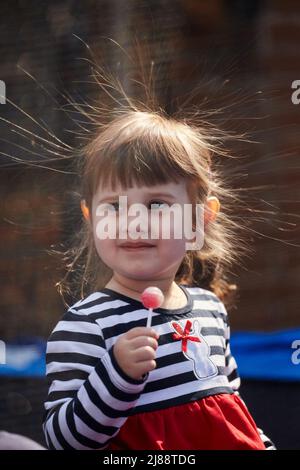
{"x": 152, "y": 297}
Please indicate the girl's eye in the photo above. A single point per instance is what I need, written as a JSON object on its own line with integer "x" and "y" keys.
{"x": 158, "y": 204}
{"x": 111, "y": 206}
{"x": 115, "y": 205}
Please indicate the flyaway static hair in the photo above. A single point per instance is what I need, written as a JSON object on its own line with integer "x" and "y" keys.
{"x": 137, "y": 141}
{"x": 129, "y": 137}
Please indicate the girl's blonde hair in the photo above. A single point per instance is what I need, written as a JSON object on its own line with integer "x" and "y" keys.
{"x": 144, "y": 146}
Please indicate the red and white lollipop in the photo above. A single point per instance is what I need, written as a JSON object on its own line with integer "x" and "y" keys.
{"x": 152, "y": 298}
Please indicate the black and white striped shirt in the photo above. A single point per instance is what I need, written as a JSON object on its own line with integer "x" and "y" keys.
{"x": 90, "y": 397}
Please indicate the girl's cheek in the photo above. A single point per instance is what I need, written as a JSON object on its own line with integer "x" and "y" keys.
{"x": 106, "y": 250}
{"x": 105, "y": 228}
{"x": 163, "y": 226}
{"x": 172, "y": 226}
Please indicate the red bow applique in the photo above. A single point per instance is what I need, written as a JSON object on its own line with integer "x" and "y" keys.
{"x": 184, "y": 334}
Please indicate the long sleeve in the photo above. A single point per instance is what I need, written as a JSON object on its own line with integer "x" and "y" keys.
{"x": 233, "y": 374}
{"x": 89, "y": 396}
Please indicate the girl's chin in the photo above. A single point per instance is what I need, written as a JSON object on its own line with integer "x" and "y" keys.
{"x": 140, "y": 274}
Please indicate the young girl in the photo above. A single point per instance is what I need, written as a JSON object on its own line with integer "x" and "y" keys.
{"x": 115, "y": 383}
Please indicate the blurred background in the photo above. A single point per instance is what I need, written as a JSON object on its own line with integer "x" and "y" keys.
{"x": 243, "y": 57}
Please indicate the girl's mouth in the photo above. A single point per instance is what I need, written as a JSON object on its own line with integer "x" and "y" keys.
{"x": 136, "y": 246}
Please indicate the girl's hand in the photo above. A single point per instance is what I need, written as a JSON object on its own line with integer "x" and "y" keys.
{"x": 135, "y": 351}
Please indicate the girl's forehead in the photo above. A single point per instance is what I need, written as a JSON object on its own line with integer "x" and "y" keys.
{"x": 170, "y": 186}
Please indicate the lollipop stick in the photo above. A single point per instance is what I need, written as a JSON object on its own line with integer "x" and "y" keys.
{"x": 149, "y": 318}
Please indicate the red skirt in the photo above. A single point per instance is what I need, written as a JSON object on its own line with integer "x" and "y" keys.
{"x": 215, "y": 422}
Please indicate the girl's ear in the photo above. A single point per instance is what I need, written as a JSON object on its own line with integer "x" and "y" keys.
{"x": 85, "y": 210}
{"x": 211, "y": 209}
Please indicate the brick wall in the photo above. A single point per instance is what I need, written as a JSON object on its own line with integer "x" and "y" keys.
{"x": 31, "y": 222}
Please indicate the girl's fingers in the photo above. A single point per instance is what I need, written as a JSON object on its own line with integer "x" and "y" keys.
{"x": 144, "y": 367}
{"x": 141, "y": 341}
{"x": 145, "y": 353}
{"x": 141, "y": 331}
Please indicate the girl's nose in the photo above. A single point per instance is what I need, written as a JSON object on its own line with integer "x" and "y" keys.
{"x": 134, "y": 225}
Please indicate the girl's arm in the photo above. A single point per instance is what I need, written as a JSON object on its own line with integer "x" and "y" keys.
{"x": 89, "y": 397}
{"x": 233, "y": 374}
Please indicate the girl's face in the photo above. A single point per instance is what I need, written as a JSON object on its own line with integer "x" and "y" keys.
{"x": 160, "y": 257}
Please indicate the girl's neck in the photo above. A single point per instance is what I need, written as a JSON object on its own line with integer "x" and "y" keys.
{"x": 174, "y": 297}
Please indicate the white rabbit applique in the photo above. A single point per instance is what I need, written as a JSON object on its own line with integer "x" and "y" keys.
{"x": 195, "y": 348}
